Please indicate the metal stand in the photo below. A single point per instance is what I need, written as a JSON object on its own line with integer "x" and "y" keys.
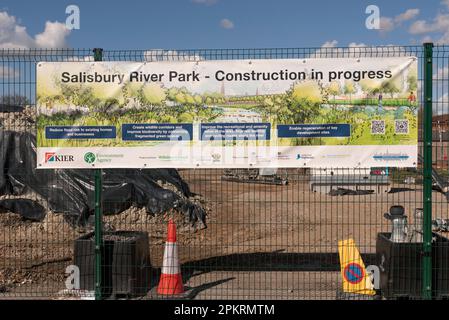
{"x": 98, "y": 56}
{"x": 427, "y": 173}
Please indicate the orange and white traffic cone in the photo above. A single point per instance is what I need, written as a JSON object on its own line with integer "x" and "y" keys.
{"x": 170, "y": 282}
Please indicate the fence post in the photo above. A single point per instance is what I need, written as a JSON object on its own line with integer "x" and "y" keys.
{"x": 427, "y": 172}
{"x": 98, "y": 56}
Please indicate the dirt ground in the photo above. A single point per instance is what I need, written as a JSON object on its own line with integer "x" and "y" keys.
{"x": 261, "y": 241}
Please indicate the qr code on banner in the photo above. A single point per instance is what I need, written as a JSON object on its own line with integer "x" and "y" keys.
{"x": 401, "y": 126}
{"x": 377, "y": 127}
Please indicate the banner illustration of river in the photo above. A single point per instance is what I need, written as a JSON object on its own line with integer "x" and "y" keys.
{"x": 331, "y": 112}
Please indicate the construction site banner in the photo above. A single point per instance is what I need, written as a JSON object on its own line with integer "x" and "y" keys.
{"x": 333, "y": 112}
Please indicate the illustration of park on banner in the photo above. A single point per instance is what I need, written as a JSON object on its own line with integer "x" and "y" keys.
{"x": 228, "y": 113}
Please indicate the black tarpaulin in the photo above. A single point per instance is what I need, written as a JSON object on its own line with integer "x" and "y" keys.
{"x": 71, "y": 192}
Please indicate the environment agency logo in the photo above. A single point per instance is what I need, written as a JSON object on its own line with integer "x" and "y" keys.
{"x": 89, "y": 157}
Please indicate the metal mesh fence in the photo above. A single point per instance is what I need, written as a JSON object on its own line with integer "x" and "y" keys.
{"x": 267, "y": 237}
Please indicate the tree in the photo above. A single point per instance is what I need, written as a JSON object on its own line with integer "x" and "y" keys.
{"x": 180, "y": 98}
{"x": 14, "y": 99}
{"x": 334, "y": 88}
{"x": 349, "y": 88}
{"x": 412, "y": 82}
{"x": 368, "y": 86}
{"x": 189, "y": 99}
{"x": 104, "y": 93}
{"x": 171, "y": 93}
{"x": 209, "y": 101}
{"x": 307, "y": 90}
{"x": 185, "y": 117}
{"x": 48, "y": 92}
{"x": 198, "y": 99}
{"x": 80, "y": 97}
{"x": 389, "y": 87}
{"x": 153, "y": 94}
{"x": 302, "y": 101}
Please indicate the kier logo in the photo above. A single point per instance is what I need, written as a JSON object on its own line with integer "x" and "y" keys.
{"x": 53, "y": 157}
{"x": 49, "y": 156}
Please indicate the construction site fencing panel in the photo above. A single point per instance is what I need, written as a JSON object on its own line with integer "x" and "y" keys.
{"x": 265, "y": 236}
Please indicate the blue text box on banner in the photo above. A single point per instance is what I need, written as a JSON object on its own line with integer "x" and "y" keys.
{"x": 235, "y": 131}
{"x": 80, "y": 132}
{"x": 314, "y": 130}
{"x": 157, "y": 132}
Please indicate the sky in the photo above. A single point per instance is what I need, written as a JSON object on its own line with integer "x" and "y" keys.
{"x": 217, "y": 24}
{"x": 192, "y": 24}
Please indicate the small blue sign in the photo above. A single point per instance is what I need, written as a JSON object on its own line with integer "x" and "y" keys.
{"x": 80, "y": 132}
{"x": 157, "y": 132}
{"x": 354, "y": 273}
{"x": 235, "y": 131}
{"x": 314, "y": 130}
